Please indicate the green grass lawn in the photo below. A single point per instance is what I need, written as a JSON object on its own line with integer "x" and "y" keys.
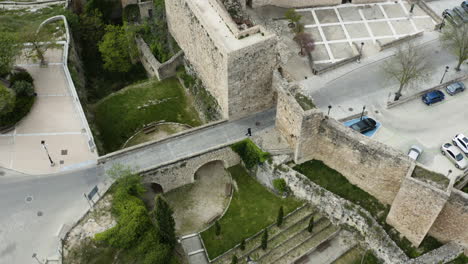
{"x": 120, "y": 115}
{"x": 15, "y": 20}
{"x": 336, "y": 183}
{"x": 252, "y": 208}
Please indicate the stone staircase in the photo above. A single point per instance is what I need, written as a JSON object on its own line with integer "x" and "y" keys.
{"x": 288, "y": 243}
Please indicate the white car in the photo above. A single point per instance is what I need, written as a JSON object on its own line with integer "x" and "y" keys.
{"x": 462, "y": 142}
{"x": 414, "y": 152}
{"x": 454, "y": 155}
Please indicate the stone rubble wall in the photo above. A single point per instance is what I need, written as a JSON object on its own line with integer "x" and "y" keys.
{"x": 294, "y": 3}
{"x": 342, "y": 212}
{"x": 452, "y": 222}
{"x": 145, "y": 7}
{"x": 415, "y": 208}
{"x": 182, "y": 172}
{"x": 444, "y": 254}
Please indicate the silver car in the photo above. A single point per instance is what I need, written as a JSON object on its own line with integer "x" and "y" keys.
{"x": 454, "y": 155}
{"x": 414, "y": 152}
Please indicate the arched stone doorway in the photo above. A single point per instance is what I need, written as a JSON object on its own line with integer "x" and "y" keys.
{"x": 152, "y": 189}
{"x": 198, "y": 204}
{"x": 156, "y": 188}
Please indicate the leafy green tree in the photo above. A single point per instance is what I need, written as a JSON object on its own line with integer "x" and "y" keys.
{"x": 164, "y": 221}
{"x": 114, "y": 49}
{"x": 310, "y": 227}
{"x": 7, "y": 100}
{"x": 279, "y": 218}
{"x": 264, "y": 244}
{"x": 455, "y": 38}
{"x": 9, "y": 50}
{"x": 217, "y": 228}
{"x": 23, "y": 88}
{"x": 234, "y": 259}
{"x": 242, "y": 244}
{"x": 292, "y": 16}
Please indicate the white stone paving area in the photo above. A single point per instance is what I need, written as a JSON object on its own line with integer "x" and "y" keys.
{"x": 336, "y": 28}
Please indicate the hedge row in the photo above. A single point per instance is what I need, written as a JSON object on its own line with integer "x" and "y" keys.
{"x": 250, "y": 154}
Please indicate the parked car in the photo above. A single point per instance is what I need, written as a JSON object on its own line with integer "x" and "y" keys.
{"x": 365, "y": 125}
{"x": 433, "y": 97}
{"x": 464, "y": 4}
{"x": 462, "y": 142}
{"x": 452, "y": 17}
{"x": 454, "y": 155}
{"x": 455, "y": 88}
{"x": 461, "y": 13}
{"x": 414, "y": 152}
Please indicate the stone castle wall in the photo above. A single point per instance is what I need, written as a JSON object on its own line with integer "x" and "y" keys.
{"x": 294, "y": 3}
{"x": 182, "y": 172}
{"x": 415, "y": 208}
{"x": 452, "y": 222}
{"x": 235, "y": 66}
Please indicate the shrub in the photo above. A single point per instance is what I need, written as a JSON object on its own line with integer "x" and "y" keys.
{"x": 250, "y": 154}
{"x": 21, "y": 76}
{"x": 22, "y": 107}
{"x": 7, "y": 100}
{"x": 280, "y": 185}
{"x": 131, "y": 13}
{"x": 217, "y": 228}
{"x": 23, "y": 88}
{"x": 234, "y": 259}
{"x": 265, "y": 239}
{"x": 242, "y": 244}
{"x": 310, "y": 227}
{"x": 279, "y": 219}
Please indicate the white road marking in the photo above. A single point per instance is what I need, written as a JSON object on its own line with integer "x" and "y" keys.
{"x": 409, "y": 16}
{"x": 369, "y": 30}
{"x": 324, "y": 39}
{"x": 388, "y": 21}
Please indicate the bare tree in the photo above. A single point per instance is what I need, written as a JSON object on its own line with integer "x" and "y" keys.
{"x": 408, "y": 65}
{"x": 455, "y": 38}
{"x": 305, "y": 42}
{"x": 40, "y": 42}
{"x": 292, "y": 16}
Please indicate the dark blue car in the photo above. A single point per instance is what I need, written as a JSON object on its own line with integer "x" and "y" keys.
{"x": 433, "y": 97}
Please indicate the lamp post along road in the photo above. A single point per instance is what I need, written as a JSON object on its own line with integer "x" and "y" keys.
{"x": 329, "y": 108}
{"x": 52, "y": 163}
{"x": 362, "y": 113}
{"x": 446, "y": 70}
{"x": 360, "y": 52}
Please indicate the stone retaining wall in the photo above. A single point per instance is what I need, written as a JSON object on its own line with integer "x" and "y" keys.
{"x": 399, "y": 41}
{"x": 294, "y": 3}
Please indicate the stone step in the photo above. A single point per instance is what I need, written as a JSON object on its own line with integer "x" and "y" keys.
{"x": 289, "y": 221}
{"x": 296, "y": 239}
{"x": 312, "y": 242}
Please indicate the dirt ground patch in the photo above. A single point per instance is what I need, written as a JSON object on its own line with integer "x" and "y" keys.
{"x": 161, "y": 131}
{"x": 196, "y": 203}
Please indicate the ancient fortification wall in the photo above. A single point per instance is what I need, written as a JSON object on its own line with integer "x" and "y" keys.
{"x": 451, "y": 224}
{"x": 415, "y": 209}
{"x": 182, "y": 172}
{"x": 294, "y": 3}
{"x": 235, "y": 66}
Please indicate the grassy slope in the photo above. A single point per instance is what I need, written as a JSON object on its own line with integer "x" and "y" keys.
{"x": 252, "y": 208}
{"x": 15, "y": 20}
{"x": 117, "y": 116}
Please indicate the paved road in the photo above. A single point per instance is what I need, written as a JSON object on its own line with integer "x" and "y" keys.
{"x": 205, "y": 139}
{"x": 403, "y": 125}
{"x": 59, "y": 197}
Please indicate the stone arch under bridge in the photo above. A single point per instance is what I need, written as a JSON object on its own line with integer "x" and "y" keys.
{"x": 182, "y": 172}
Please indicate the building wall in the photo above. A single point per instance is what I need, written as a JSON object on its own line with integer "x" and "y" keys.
{"x": 294, "y": 3}
{"x": 205, "y": 56}
{"x": 182, "y": 172}
{"x": 415, "y": 209}
{"x": 452, "y": 222}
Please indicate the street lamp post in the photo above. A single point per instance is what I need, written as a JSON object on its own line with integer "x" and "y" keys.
{"x": 446, "y": 70}
{"x": 362, "y": 114}
{"x": 449, "y": 171}
{"x": 52, "y": 163}
{"x": 442, "y": 24}
{"x": 360, "y": 52}
{"x": 329, "y": 108}
{"x": 34, "y": 255}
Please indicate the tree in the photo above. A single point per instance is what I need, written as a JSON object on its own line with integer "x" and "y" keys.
{"x": 292, "y": 16}
{"x": 265, "y": 239}
{"x": 455, "y": 38}
{"x": 23, "y": 88}
{"x": 7, "y": 100}
{"x": 234, "y": 259}
{"x": 164, "y": 221}
{"x": 279, "y": 219}
{"x": 40, "y": 42}
{"x": 114, "y": 48}
{"x": 310, "y": 227}
{"x": 9, "y": 50}
{"x": 408, "y": 65}
{"x": 217, "y": 228}
{"x": 242, "y": 244}
{"x": 305, "y": 42}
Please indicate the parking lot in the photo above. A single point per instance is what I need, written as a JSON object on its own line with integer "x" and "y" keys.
{"x": 427, "y": 126}
{"x": 336, "y": 28}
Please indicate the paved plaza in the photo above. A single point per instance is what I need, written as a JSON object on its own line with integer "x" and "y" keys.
{"x": 53, "y": 118}
{"x": 340, "y": 30}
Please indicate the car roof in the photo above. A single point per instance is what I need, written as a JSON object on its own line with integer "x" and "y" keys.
{"x": 454, "y": 150}
{"x": 434, "y": 93}
{"x": 461, "y": 136}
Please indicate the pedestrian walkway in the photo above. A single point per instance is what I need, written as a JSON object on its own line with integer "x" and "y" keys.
{"x": 190, "y": 144}
{"x": 193, "y": 247}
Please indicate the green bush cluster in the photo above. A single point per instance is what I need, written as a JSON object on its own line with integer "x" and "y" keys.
{"x": 135, "y": 232}
{"x": 250, "y": 154}
{"x": 131, "y": 13}
{"x": 280, "y": 185}
{"x": 462, "y": 259}
{"x": 22, "y": 85}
